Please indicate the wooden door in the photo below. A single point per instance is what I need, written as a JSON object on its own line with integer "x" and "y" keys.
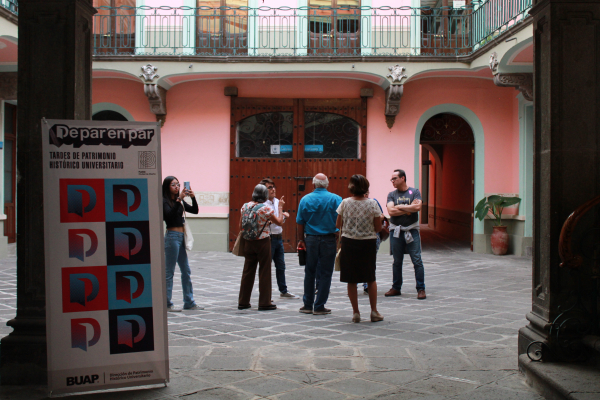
{"x": 309, "y": 135}
{"x": 10, "y": 158}
{"x": 256, "y": 126}
{"x": 334, "y": 136}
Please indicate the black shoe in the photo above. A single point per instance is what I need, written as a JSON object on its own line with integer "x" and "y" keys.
{"x": 322, "y": 311}
{"x": 243, "y": 307}
{"x": 267, "y": 308}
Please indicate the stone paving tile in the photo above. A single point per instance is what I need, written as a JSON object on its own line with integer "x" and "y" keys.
{"x": 311, "y": 393}
{"x": 457, "y": 344}
{"x": 267, "y": 385}
{"x": 354, "y": 386}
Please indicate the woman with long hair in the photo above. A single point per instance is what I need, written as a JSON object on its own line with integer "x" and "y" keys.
{"x": 359, "y": 220}
{"x": 175, "y": 253}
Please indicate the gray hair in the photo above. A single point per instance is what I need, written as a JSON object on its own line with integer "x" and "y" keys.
{"x": 260, "y": 194}
{"x": 320, "y": 183}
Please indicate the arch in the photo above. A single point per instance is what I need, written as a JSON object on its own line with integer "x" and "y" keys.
{"x": 504, "y": 67}
{"x": 96, "y": 108}
{"x": 478, "y": 134}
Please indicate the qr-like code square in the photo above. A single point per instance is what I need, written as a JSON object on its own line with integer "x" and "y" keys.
{"x": 147, "y": 160}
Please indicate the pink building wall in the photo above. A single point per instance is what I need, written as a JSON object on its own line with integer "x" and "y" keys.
{"x": 195, "y": 137}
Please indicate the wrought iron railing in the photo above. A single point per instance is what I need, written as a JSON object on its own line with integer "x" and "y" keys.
{"x": 305, "y": 31}
{"x": 492, "y": 17}
{"x": 10, "y": 5}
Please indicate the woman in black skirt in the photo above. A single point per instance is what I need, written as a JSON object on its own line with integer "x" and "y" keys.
{"x": 359, "y": 220}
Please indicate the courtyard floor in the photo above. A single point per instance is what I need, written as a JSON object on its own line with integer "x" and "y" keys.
{"x": 459, "y": 343}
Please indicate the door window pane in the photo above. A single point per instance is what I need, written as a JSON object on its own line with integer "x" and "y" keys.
{"x": 266, "y": 135}
{"x": 330, "y": 136}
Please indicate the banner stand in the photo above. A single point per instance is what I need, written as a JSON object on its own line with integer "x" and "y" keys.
{"x": 106, "y": 321}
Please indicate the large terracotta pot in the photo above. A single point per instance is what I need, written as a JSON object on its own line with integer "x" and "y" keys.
{"x": 499, "y": 240}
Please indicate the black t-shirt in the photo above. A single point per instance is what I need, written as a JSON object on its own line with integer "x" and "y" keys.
{"x": 173, "y": 215}
{"x": 405, "y": 198}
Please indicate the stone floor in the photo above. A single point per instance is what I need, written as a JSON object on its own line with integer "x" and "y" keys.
{"x": 459, "y": 343}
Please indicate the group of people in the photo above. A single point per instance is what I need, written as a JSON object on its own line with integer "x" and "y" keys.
{"x": 325, "y": 224}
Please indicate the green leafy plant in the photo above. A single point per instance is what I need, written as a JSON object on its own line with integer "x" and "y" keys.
{"x": 494, "y": 204}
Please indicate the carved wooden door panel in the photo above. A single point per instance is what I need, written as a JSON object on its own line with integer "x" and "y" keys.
{"x": 290, "y": 141}
{"x": 263, "y": 145}
{"x": 333, "y": 141}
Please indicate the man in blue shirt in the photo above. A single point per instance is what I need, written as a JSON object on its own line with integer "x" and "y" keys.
{"x": 316, "y": 218}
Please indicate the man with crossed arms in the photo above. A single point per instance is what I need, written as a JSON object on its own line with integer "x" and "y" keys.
{"x": 404, "y": 205}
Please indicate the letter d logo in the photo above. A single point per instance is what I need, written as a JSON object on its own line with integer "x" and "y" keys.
{"x": 124, "y": 279}
{"x": 125, "y": 239}
{"x": 125, "y": 328}
{"x": 121, "y": 199}
{"x": 76, "y": 194}
{"x": 79, "y": 333}
{"x": 76, "y": 244}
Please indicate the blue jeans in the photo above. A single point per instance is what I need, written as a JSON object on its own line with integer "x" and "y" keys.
{"x": 399, "y": 247}
{"x": 320, "y": 260}
{"x": 278, "y": 258}
{"x": 175, "y": 253}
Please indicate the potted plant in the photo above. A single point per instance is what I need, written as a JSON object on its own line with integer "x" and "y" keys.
{"x": 495, "y": 204}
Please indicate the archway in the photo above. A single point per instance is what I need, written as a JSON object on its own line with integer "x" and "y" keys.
{"x": 448, "y": 176}
{"x": 110, "y": 112}
{"x": 477, "y": 128}
{"x": 108, "y": 115}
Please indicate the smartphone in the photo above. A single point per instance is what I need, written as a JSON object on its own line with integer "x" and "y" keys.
{"x": 186, "y": 185}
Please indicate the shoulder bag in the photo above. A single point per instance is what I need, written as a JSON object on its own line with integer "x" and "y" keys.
{"x": 384, "y": 234}
{"x": 338, "y": 255}
{"x": 187, "y": 234}
{"x": 238, "y": 247}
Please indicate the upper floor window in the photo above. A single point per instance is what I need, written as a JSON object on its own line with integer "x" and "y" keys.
{"x": 114, "y": 27}
{"x": 344, "y": 15}
{"x": 222, "y": 26}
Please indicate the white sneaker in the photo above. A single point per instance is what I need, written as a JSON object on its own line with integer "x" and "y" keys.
{"x": 288, "y": 295}
{"x": 194, "y": 308}
{"x": 174, "y": 309}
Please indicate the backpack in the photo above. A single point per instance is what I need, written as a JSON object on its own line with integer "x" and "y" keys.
{"x": 250, "y": 223}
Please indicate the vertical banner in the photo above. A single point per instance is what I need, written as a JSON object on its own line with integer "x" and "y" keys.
{"x": 106, "y": 320}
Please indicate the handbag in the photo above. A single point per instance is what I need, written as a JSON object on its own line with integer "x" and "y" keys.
{"x": 238, "y": 247}
{"x": 384, "y": 234}
{"x": 187, "y": 234}
{"x": 338, "y": 255}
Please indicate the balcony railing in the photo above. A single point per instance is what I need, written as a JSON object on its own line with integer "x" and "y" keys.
{"x": 10, "y": 5}
{"x": 305, "y": 31}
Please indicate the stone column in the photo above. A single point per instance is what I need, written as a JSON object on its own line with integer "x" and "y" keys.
{"x": 55, "y": 75}
{"x": 566, "y": 154}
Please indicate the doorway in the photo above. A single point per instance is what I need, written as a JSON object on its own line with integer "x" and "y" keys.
{"x": 10, "y": 171}
{"x": 448, "y": 171}
{"x": 290, "y": 141}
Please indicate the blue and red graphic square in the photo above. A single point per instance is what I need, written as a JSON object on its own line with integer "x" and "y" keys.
{"x": 129, "y": 286}
{"x": 126, "y": 199}
{"x": 131, "y": 330}
{"x": 127, "y": 243}
{"x": 82, "y": 200}
{"x": 84, "y": 289}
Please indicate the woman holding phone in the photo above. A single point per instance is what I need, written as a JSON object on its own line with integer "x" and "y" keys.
{"x": 175, "y": 253}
